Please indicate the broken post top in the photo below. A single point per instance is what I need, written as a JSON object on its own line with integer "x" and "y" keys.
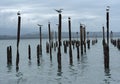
{"x": 69, "y": 18}
{"x": 59, "y": 11}
{"x": 18, "y": 13}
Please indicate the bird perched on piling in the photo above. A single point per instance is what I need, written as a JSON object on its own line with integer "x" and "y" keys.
{"x": 59, "y": 11}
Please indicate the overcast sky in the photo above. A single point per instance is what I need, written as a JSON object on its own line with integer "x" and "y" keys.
{"x": 92, "y": 13}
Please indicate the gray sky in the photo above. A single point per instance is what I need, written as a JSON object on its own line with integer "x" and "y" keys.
{"x": 92, "y": 13}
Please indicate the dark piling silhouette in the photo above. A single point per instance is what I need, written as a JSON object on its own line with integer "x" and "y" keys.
{"x": 40, "y": 26}
{"x": 38, "y": 54}
{"x": 106, "y": 56}
{"x": 65, "y": 43}
{"x": 29, "y": 52}
{"x": 103, "y": 36}
{"x": 81, "y": 38}
{"x": 18, "y": 40}
{"x": 107, "y": 23}
{"x": 88, "y": 41}
{"x": 9, "y": 55}
{"x": 111, "y": 35}
{"x": 84, "y": 30}
{"x": 50, "y": 41}
{"x": 47, "y": 47}
{"x": 59, "y": 39}
{"x": 77, "y": 46}
{"x": 106, "y": 45}
{"x": 70, "y": 48}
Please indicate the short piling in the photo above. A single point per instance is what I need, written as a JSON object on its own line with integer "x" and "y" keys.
{"x": 29, "y": 52}
{"x": 38, "y": 56}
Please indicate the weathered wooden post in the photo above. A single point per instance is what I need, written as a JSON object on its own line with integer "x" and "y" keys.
{"x": 70, "y": 49}
{"x": 59, "y": 39}
{"x": 9, "y": 55}
{"x": 77, "y": 46}
{"x": 40, "y": 38}
{"x": 50, "y": 44}
{"x": 38, "y": 54}
{"x": 47, "y": 47}
{"x": 29, "y": 52}
{"x": 103, "y": 36}
{"x": 18, "y": 40}
{"x": 107, "y": 23}
{"x": 111, "y": 35}
{"x": 106, "y": 46}
{"x": 81, "y": 38}
{"x": 88, "y": 40}
{"x": 84, "y": 29}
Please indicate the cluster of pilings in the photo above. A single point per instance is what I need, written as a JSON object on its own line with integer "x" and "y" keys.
{"x": 94, "y": 41}
{"x": 79, "y": 44}
{"x": 116, "y": 43}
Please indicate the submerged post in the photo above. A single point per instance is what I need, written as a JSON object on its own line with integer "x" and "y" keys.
{"x": 18, "y": 40}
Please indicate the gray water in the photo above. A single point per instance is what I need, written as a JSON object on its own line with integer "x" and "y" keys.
{"x": 88, "y": 70}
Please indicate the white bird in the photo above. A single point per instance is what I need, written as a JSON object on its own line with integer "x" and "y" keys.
{"x": 59, "y": 11}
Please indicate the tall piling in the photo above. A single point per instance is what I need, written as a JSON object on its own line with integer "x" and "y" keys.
{"x": 50, "y": 43}
{"x": 40, "y": 26}
{"x": 81, "y": 38}
{"x": 107, "y": 23}
{"x": 70, "y": 49}
{"x": 18, "y": 40}
{"x": 59, "y": 42}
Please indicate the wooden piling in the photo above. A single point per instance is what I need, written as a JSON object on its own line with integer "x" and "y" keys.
{"x": 47, "y": 47}
{"x": 107, "y": 24}
{"x": 84, "y": 29}
{"x": 29, "y": 52}
{"x": 59, "y": 40}
{"x": 103, "y": 36}
{"x": 18, "y": 40}
{"x": 77, "y": 46}
{"x": 38, "y": 56}
{"x": 81, "y": 38}
{"x": 106, "y": 56}
{"x": 50, "y": 43}
{"x": 70, "y": 49}
{"x": 9, "y": 55}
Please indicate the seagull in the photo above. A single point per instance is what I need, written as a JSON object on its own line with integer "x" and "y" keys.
{"x": 59, "y": 11}
{"x": 39, "y": 25}
{"x": 18, "y": 13}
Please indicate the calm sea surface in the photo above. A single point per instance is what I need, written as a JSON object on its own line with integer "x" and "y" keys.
{"x": 88, "y": 70}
